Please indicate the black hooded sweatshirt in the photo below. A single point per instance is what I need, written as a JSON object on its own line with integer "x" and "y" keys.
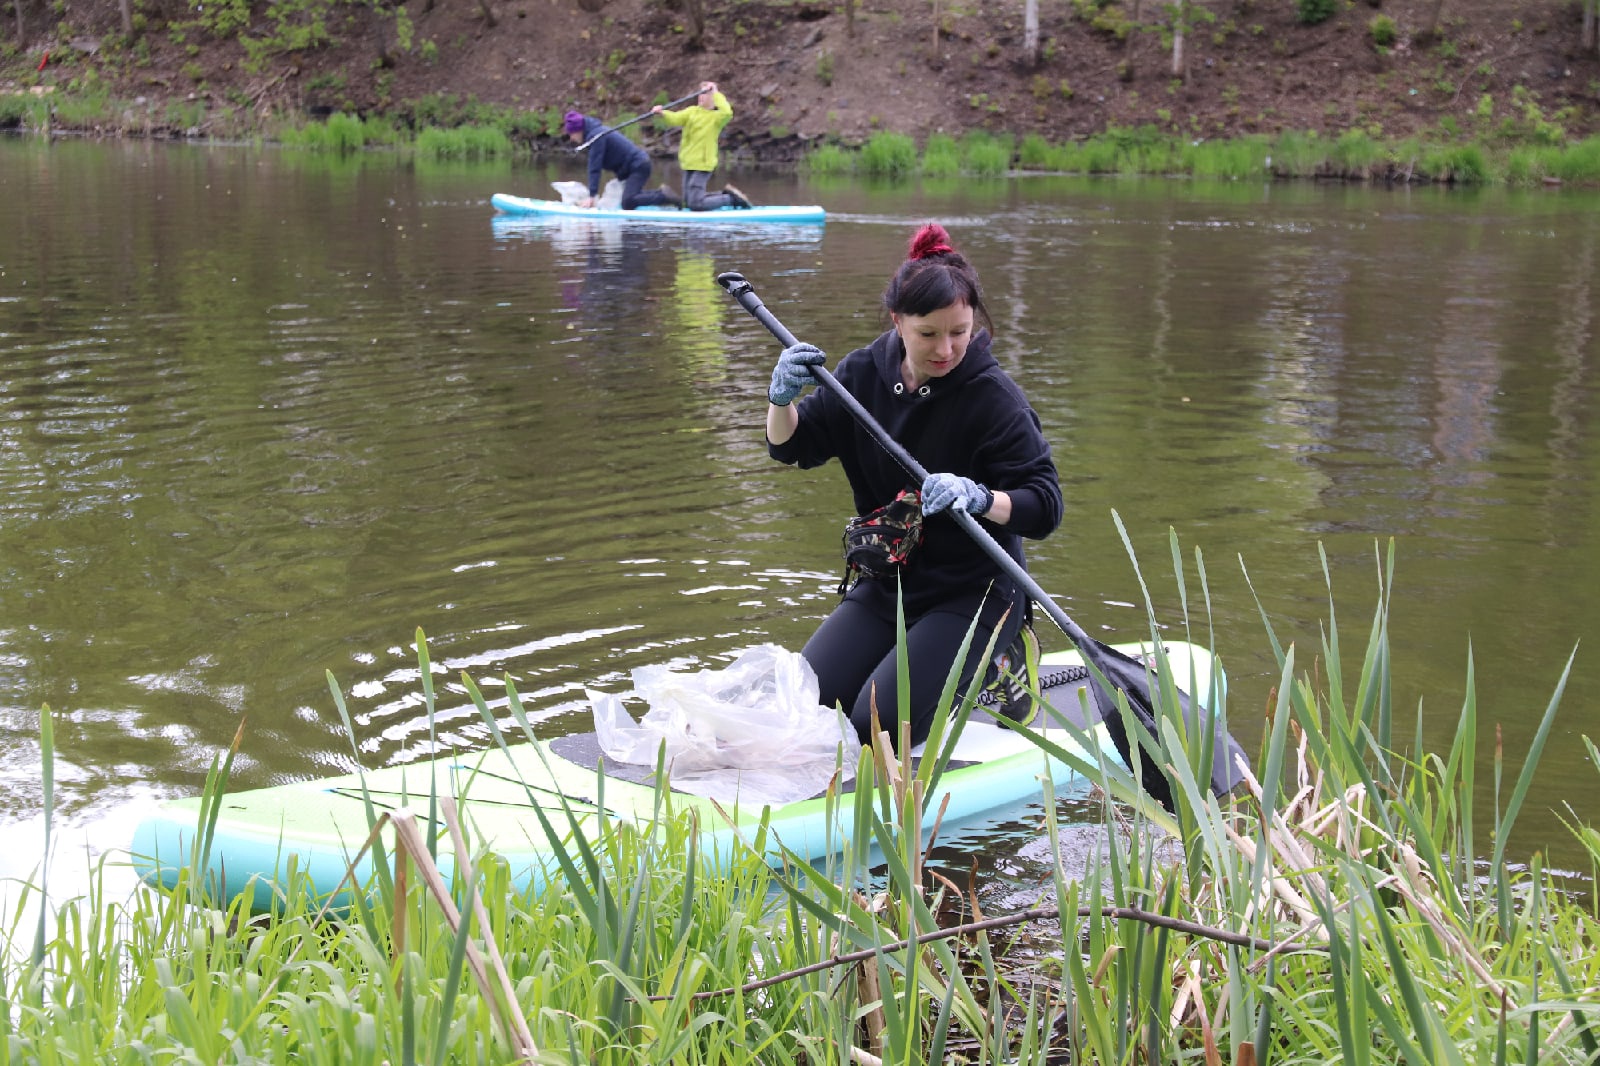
{"x": 975, "y": 422}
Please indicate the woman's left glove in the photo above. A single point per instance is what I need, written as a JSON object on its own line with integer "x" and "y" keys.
{"x": 943, "y": 491}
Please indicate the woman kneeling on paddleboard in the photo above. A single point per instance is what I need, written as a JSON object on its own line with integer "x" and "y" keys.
{"x": 610, "y": 150}
{"x": 933, "y": 384}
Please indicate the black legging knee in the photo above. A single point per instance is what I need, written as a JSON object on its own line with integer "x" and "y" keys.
{"x": 853, "y": 653}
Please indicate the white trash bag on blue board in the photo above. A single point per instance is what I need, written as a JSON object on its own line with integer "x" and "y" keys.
{"x": 752, "y": 732}
{"x": 575, "y": 192}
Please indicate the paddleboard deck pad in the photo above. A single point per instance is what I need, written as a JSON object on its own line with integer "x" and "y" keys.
{"x": 721, "y": 216}
{"x": 315, "y": 828}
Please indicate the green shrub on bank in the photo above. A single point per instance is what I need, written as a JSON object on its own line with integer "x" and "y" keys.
{"x": 889, "y": 154}
{"x": 24, "y": 110}
{"x": 941, "y": 158}
{"x": 463, "y": 142}
{"x": 338, "y": 133}
{"x": 448, "y": 111}
{"x": 1356, "y": 155}
{"x": 829, "y": 159}
{"x": 986, "y": 154}
{"x": 75, "y": 110}
{"x": 1312, "y": 12}
{"x": 1242, "y": 158}
{"x": 1579, "y": 163}
{"x": 1034, "y": 153}
{"x": 1297, "y": 154}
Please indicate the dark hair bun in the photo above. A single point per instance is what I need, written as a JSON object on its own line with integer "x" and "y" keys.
{"x": 931, "y": 239}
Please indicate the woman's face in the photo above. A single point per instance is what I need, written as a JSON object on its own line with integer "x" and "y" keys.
{"x": 934, "y": 342}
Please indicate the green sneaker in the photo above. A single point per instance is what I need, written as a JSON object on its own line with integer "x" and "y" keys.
{"x": 1017, "y": 678}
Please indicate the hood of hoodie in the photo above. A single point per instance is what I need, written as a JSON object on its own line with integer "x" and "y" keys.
{"x": 889, "y": 351}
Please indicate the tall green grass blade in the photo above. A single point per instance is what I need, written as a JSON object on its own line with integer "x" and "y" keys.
{"x": 454, "y": 975}
{"x": 1331, "y": 650}
{"x": 1266, "y": 620}
{"x": 1529, "y": 766}
{"x": 380, "y": 861}
{"x": 941, "y": 1025}
{"x": 47, "y": 772}
{"x": 1574, "y": 1004}
{"x": 408, "y": 1016}
{"x": 425, "y": 668}
{"x": 618, "y": 1014}
{"x": 1263, "y": 1040}
{"x": 1424, "y": 1022}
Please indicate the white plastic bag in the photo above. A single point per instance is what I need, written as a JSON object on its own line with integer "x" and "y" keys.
{"x": 573, "y": 192}
{"x": 753, "y": 732}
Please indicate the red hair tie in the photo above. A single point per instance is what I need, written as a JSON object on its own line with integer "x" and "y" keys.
{"x": 930, "y": 240}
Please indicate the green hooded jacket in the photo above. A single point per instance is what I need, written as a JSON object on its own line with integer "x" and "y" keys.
{"x": 700, "y": 131}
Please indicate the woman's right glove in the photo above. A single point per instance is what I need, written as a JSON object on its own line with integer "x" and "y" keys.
{"x": 793, "y": 375}
{"x": 940, "y": 492}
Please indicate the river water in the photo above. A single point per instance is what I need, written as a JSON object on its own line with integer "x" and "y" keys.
{"x": 264, "y": 415}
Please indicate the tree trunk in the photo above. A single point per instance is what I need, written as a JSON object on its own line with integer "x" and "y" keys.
{"x": 1030, "y": 32}
{"x": 850, "y": 18}
{"x": 1433, "y": 23}
{"x": 1133, "y": 35}
{"x": 488, "y": 15}
{"x": 696, "y": 12}
{"x": 22, "y": 31}
{"x": 127, "y": 17}
{"x": 1182, "y": 16}
{"x": 1591, "y": 39}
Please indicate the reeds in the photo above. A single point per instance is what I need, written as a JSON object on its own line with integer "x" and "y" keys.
{"x": 1355, "y": 155}
{"x": 1347, "y": 906}
{"x": 464, "y": 142}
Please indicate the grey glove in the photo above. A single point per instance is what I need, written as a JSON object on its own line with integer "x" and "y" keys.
{"x": 943, "y": 491}
{"x": 793, "y": 375}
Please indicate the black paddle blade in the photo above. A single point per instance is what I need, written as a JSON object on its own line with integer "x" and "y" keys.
{"x": 1133, "y": 678}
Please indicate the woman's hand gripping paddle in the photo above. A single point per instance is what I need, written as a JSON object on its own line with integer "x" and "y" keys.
{"x": 1112, "y": 671}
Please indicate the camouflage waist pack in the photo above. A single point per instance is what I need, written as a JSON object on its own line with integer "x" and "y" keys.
{"x": 878, "y": 542}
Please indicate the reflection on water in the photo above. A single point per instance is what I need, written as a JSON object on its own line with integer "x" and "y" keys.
{"x": 265, "y": 417}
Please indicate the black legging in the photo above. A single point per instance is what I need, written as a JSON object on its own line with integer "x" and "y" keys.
{"x": 853, "y": 654}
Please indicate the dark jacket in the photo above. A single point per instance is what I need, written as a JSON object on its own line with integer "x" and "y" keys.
{"x": 612, "y": 152}
{"x": 974, "y": 421}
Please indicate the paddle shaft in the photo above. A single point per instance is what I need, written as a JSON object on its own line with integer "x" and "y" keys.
{"x": 740, "y": 290}
{"x": 637, "y": 118}
{"x": 1101, "y": 658}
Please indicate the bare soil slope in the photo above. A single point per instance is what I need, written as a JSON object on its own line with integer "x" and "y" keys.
{"x": 799, "y": 71}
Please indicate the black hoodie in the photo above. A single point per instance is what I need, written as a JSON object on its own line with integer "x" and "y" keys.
{"x": 974, "y": 421}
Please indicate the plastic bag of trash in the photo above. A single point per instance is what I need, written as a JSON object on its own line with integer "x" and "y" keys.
{"x": 753, "y": 732}
{"x": 575, "y": 192}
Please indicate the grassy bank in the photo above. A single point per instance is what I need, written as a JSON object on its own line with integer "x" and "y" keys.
{"x": 1516, "y": 145}
{"x": 1354, "y": 156}
{"x": 1349, "y": 904}
{"x": 440, "y": 126}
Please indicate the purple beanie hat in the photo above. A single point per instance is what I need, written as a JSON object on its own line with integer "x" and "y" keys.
{"x": 573, "y": 122}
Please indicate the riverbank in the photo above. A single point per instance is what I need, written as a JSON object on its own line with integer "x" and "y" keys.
{"x": 805, "y": 76}
{"x": 1525, "y": 160}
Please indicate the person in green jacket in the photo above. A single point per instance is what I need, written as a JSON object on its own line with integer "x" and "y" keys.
{"x": 697, "y": 154}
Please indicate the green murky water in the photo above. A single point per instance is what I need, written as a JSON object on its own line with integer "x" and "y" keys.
{"x": 264, "y": 415}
